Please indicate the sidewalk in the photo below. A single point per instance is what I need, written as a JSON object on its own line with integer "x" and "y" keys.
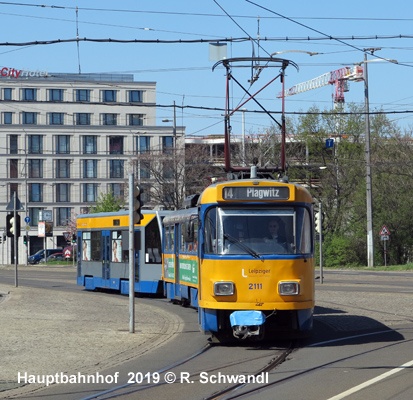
{"x": 45, "y": 331}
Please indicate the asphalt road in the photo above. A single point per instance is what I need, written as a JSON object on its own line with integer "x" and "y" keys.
{"x": 361, "y": 347}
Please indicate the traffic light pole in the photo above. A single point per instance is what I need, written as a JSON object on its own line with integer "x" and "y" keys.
{"x": 16, "y": 282}
{"x": 131, "y": 255}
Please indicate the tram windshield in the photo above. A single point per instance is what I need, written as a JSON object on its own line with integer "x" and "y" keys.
{"x": 257, "y": 232}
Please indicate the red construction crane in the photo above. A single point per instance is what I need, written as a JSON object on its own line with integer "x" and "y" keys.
{"x": 339, "y": 78}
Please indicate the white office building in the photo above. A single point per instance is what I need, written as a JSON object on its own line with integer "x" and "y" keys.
{"x": 67, "y": 138}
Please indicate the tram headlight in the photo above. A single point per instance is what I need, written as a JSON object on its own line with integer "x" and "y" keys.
{"x": 224, "y": 288}
{"x": 290, "y": 288}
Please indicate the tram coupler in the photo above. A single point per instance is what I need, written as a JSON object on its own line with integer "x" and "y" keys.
{"x": 246, "y": 324}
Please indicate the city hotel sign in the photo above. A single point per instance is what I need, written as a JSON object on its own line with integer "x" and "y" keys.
{"x": 22, "y": 73}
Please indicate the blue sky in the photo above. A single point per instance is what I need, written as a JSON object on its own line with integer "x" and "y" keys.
{"x": 183, "y": 72}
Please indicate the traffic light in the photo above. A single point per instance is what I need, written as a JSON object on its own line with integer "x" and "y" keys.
{"x": 74, "y": 238}
{"x": 137, "y": 204}
{"x": 25, "y": 239}
{"x": 12, "y": 226}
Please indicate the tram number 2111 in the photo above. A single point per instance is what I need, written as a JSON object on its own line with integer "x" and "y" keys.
{"x": 253, "y": 286}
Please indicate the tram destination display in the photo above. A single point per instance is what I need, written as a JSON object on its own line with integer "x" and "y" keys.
{"x": 256, "y": 193}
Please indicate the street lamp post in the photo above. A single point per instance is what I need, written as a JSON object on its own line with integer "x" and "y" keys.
{"x": 370, "y": 240}
{"x": 369, "y": 194}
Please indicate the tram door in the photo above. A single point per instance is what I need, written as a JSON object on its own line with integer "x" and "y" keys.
{"x": 106, "y": 258}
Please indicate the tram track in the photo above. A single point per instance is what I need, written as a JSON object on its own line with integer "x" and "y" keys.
{"x": 268, "y": 361}
{"x": 297, "y": 375}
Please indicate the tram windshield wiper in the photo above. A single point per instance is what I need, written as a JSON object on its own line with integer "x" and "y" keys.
{"x": 242, "y": 245}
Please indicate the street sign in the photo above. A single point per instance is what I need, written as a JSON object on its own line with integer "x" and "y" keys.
{"x": 385, "y": 237}
{"x": 27, "y": 228}
{"x": 41, "y": 229}
{"x": 46, "y": 215}
{"x": 384, "y": 231}
{"x": 67, "y": 236}
{"x": 10, "y": 206}
{"x": 68, "y": 253}
{"x": 27, "y": 220}
{"x": 329, "y": 143}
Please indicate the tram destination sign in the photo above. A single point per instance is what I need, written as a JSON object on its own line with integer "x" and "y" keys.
{"x": 256, "y": 193}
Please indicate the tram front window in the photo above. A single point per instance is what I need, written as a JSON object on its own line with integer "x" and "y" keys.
{"x": 256, "y": 231}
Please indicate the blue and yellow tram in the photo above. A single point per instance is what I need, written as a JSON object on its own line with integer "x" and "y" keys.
{"x": 103, "y": 251}
{"x": 243, "y": 254}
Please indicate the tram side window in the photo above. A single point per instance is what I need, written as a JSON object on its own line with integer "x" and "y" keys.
{"x": 153, "y": 242}
{"x": 86, "y": 246}
{"x": 95, "y": 246}
{"x": 304, "y": 230}
{"x": 167, "y": 239}
{"x": 119, "y": 247}
{"x": 183, "y": 242}
{"x": 192, "y": 246}
{"x": 210, "y": 231}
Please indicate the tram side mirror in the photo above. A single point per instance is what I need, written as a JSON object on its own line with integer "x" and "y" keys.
{"x": 189, "y": 231}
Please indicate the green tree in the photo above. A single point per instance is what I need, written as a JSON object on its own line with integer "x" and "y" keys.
{"x": 341, "y": 185}
{"x": 107, "y": 202}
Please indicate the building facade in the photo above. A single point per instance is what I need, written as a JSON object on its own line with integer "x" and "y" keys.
{"x": 67, "y": 138}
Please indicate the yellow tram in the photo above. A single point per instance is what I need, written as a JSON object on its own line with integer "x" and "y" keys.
{"x": 243, "y": 253}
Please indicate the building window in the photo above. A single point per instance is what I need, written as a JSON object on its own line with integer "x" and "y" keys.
{"x": 36, "y": 192}
{"x": 14, "y": 171}
{"x": 62, "y": 192}
{"x": 108, "y": 95}
{"x": 144, "y": 170}
{"x": 109, "y": 119}
{"x": 116, "y": 145}
{"x": 90, "y": 192}
{"x": 29, "y": 118}
{"x": 146, "y": 195}
{"x": 35, "y": 168}
{"x": 35, "y": 144}
{"x": 167, "y": 170}
{"x": 90, "y": 168}
{"x": 56, "y": 118}
{"x": 13, "y": 144}
{"x": 34, "y": 215}
{"x": 55, "y": 94}
{"x": 116, "y": 168}
{"x": 135, "y": 96}
{"x": 14, "y": 188}
{"x": 143, "y": 144}
{"x": 90, "y": 145}
{"x": 167, "y": 144}
{"x": 117, "y": 189}
{"x": 29, "y": 94}
{"x": 62, "y": 216}
{"x": 7, "y": 118}
{"x": 62, "y": 168}
{"x": 7, "y": 94}
{"x": 82, "y": 119}
{"x": 62, "y": 144}
{"x": 83, "y": 95}
{"x": 136, "y": 119}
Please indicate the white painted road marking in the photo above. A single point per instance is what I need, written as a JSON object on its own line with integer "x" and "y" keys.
{"x": 371, "y": 381}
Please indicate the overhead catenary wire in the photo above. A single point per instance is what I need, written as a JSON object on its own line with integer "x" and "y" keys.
{"x": 197, "y": 14}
